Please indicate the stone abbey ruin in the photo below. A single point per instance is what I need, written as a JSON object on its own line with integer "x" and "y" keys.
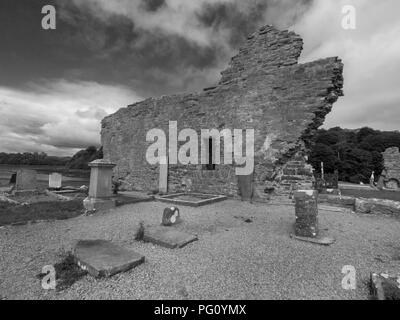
{"x": 265, "y": 89}
{"x": 391, "y": 174}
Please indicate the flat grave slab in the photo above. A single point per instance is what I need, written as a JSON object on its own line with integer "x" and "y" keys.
{"x": 323, "y": 241}
{"x": 127, "y": 198}
{"x": 102, "y": 258}
{"x": 330, "y": 208}
{"x": 191, "y": 199}
{"x": 168, "y": 237}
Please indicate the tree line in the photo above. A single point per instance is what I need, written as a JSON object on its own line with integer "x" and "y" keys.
{"x": 79, "y": 161}
{"x": 354, "y": 153}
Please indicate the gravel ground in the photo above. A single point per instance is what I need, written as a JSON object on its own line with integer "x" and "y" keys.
{"x": 233, "y": 259}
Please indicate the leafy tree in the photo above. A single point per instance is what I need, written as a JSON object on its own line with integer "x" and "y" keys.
{"x": 325, "y": 154}
{"x": 82, "y": 158}
{"x": 354, "y": 153}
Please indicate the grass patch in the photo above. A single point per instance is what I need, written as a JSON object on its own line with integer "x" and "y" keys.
{"x": 52, "y": 210}
{"x": 389, "y": 287}
{"x": 67, "y": 272}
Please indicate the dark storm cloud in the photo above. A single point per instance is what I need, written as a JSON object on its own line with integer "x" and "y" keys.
{"x": 152, "y": 5}
{"x": 116, "y": 51}
{"x": 105, "y": 54}
{"x": 20, "y": 123}
{"x": 95, "y": 43}
{"x": 232, "y": 17}
{"x": 66, "y": 142}
{"x": 23, "y": 125}
{"x": 106, "y": 48}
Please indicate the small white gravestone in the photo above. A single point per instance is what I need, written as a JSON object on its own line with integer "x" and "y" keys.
{"x": 55, "y": 181}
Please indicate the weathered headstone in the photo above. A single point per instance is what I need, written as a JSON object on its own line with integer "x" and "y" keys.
{"x": 171, "y": 216}
{"x": 55, "y": 181}
{"x": 381, "y": 180}
{"x": 26, "y": 180}
{"x": 167, "y": 237}
{"x": 100, "y": 190}
{"x": 104, "y": 259}
{"x": 306, "y": 213}
{"x": 13, "y": 179}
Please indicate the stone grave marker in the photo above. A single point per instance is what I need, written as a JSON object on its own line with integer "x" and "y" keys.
{"x": 13, "y": 179}
{"x": 167, "y": 237}
{"x": 102, "y": 258}
{"x": 306, "y": 213}
{"x": 55, "y": 181}
{"x": 171, "y": 216}
{"x": 26, "y": 180}
{"x": 100, "y": 191}
{"x": 306, "y": 227}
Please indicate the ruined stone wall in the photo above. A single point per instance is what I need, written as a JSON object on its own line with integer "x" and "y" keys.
{"x": 392, "y": 167}
{"x": 264, "y": 89}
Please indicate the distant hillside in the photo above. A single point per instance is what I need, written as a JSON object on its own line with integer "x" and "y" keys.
{"x": 35, "y": 158}
{"x": 79, "y": 161}
{"x": 82, "y": 158}
{"x": 355, "y": 153}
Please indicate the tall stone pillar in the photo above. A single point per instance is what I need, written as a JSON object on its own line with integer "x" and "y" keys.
{"x": 306, "y": 213}
{"x": 163, "y": 176}
{"x": 100, "y": 189}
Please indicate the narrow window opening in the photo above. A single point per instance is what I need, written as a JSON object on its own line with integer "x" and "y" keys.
{"x": 211, "y": 165}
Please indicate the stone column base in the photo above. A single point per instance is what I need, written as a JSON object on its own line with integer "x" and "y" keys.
{"x": 306, "y": 213}
{"x": 96, "y": 204}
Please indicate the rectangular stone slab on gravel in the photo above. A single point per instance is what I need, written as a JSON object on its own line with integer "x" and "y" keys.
{"x": 323, "y": 241}
{"x": 168, "y": 237}
{"x": 102, "y": 258}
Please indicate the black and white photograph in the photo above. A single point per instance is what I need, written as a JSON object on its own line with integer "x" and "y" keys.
{"x": 200, "y": 155}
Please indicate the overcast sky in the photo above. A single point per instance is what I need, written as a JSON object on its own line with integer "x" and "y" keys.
{"x": 56, "y": 85}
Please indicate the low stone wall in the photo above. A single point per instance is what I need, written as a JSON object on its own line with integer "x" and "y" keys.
{"x": 345, "y": 202}
{"x": 378, "y": 206}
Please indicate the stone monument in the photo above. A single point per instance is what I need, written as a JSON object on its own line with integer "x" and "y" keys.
{"x": 171, "y": 216}
{"x": 306, "y": 213}
{"x": 100, "y": 189}
{"x": 26, "y": 180}
{"x": 55, "y": 180}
